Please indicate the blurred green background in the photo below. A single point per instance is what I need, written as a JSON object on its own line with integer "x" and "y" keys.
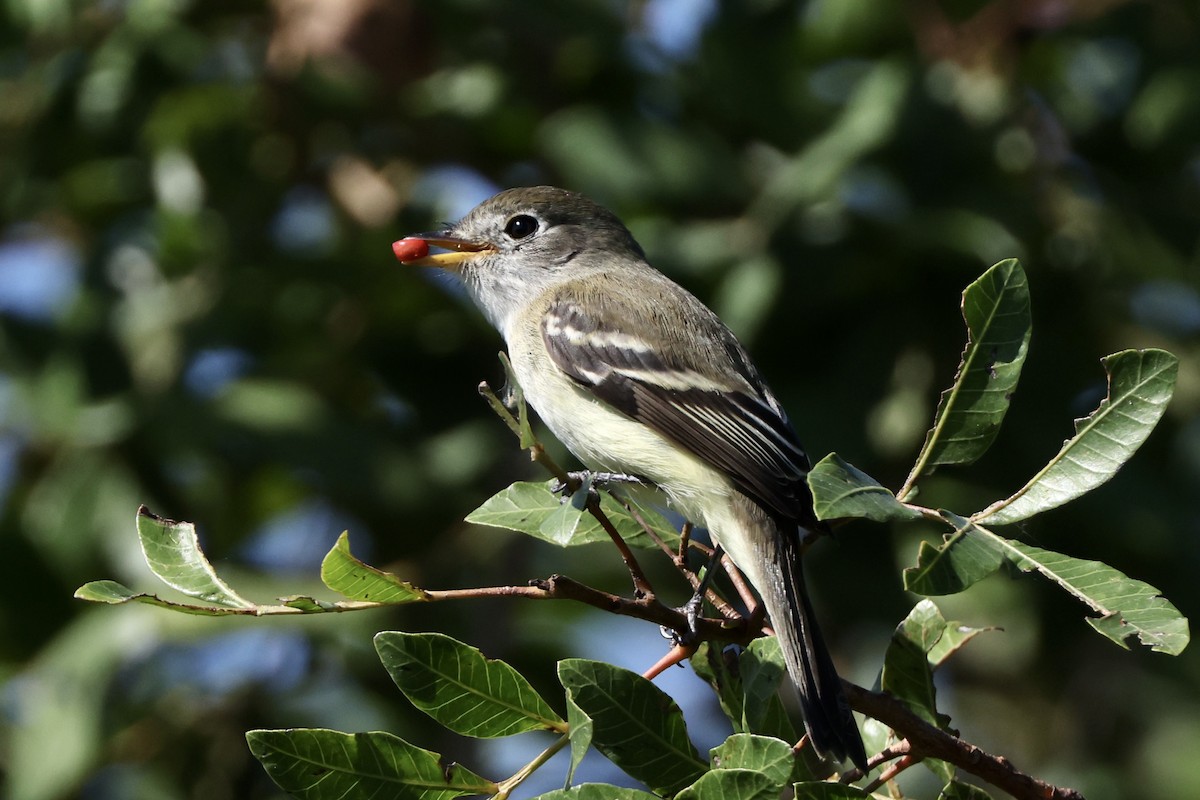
{"x": 199, "y": 311}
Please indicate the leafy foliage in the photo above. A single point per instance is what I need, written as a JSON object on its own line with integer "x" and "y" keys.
{"x": 624, "y": 715}
{"x": 198, "y": 312}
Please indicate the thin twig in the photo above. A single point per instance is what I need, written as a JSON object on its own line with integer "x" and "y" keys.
{"x": 641, "y": 584}
{"x": 901, "y": 752}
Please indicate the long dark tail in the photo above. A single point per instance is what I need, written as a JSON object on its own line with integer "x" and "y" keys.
{"x": 827, "y": 716}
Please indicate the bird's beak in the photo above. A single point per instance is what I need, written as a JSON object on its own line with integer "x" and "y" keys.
{"x": 414, "y": 250}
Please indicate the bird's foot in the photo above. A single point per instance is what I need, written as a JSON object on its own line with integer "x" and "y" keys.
{"x": 593, "y": 480}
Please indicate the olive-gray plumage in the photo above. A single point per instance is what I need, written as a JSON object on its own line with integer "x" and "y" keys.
{"x": 636, "y": 375}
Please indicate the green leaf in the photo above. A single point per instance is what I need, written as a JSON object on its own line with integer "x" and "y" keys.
{"x": 954, "y": 790}
{"x": 841, "y": 491}
{"x": 532, "y": 508}
{"x": 345, "y": 574}
{"x": 961, "y": 561}
{"x": 579, "y": 733}
{"x": 713, "y": 664}
{"x": 823, "y": 790}
{"x": 469, "y": 694}
{"x": 760, "y": 667}
{"x": 954, "y": 638}
{"x": 969, "y": 414}
{"x": 115, "y": 593}
{"x": 597, "y": 791}
{"x": 771, "y": 757}
{"x": 1127, "y": 607}
{"x": 1140, "y": 384}
{"x": 173, "y": 553}
{"x": 560, "y": 525}
{"x": 316, "y": 764}
{"x": 908, "y": 670}
{"x": 731, "y": 784}
{"x": 635, "y": 724}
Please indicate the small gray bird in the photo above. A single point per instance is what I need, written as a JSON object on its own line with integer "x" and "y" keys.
{"x": 635, "y": 375}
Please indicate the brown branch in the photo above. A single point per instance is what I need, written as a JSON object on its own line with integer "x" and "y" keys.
{"x": 560, "y": 587}
{"x": 926, "y": 741}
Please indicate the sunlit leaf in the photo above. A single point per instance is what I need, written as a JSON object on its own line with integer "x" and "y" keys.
{"x": 527, "y": 508}
{"x": 317, "y": 764}
{"x": 173, "y": 553}
{"x": 114, "y": 593}
{"x": 1140, "y": 384}
{"x": 1128, "y": 608}
{"x": 634, "y": 723}
{"x": 345, "y": 574}
{"x": 454, "y": 683}
{"x": 996, "y": 310}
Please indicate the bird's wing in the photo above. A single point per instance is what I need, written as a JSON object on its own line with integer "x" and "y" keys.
{"x": 729, "y": 420}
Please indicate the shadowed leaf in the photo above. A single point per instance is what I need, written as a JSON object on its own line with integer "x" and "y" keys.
{"x": 841, "y": 491}
{"x": 969, "y": 414}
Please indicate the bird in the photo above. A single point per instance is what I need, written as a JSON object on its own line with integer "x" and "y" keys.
{"x": 636, "y": 376}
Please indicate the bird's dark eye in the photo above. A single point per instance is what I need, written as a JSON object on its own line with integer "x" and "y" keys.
{"x": 520, "y": 226}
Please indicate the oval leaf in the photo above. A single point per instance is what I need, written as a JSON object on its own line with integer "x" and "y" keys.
{"x": 346, "y": 575}
{"x": 841, "y": 491}
{"x": 173, "y": 553}
{"x": 533, "y": 509}
{"x": 773, "y": 758}
{"x": 469, "y": 694}
{"x": 316, "y": 764}
{"x": 969, "y": 414}
{"x": 1140, "y": 384}
{"x": 634, "y": 723}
